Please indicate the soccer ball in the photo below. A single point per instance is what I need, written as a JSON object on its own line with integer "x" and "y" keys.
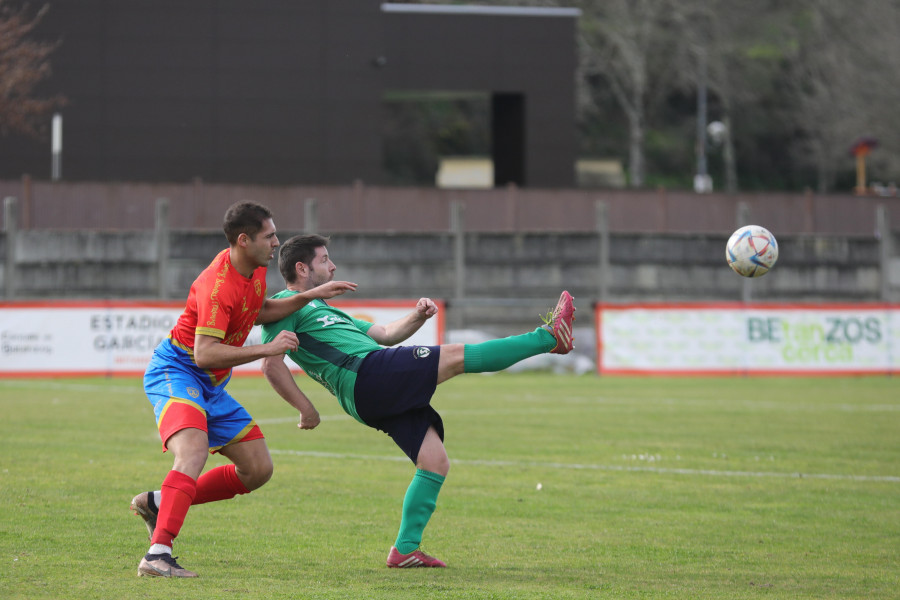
{"x": 751, "y": 251}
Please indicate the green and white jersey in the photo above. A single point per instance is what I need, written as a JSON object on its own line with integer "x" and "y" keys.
{"x": 332, "y": 346}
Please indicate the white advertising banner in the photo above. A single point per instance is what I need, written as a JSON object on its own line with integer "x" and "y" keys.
{"x": 760, "y": 339}
{"x": 118, "y": 338}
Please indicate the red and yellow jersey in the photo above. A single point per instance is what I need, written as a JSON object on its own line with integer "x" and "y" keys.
{"x": 223, "y": 304}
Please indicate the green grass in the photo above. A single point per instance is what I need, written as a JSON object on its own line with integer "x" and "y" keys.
{"x": 651, "y": 488}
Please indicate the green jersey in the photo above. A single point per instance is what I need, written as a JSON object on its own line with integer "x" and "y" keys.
{"x": 332, "y": 346}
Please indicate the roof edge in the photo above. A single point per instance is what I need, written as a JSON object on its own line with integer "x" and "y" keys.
{"x": 456, "y": 9}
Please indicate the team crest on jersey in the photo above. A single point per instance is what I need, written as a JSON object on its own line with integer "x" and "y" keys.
{"x": 330, "y": 320}
{"x": 193, "y": 392}
{"x": 257, "y": 286}
{"x": 422, "y": 352}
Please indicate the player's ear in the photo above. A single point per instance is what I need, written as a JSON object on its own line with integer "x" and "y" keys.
{"x": 243, "y": 240}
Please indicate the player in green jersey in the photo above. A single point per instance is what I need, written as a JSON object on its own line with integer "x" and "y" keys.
{"x": 390, "y": 387}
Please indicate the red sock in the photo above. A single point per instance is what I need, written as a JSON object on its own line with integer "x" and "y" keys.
{"x": 178, "y": 491}
{"x": 221, "y": 483}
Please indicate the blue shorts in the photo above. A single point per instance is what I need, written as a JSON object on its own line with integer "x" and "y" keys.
{"x": 393, "y": 394}
{"x": 183, "y": 396}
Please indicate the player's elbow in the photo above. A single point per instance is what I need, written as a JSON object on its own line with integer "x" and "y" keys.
{"x": 203, "y": 359}
{"x": 381, "y": 335}
{"x": 205, "y": 365}
{"x": 265, "y": 367}
{"x": 268, "y": 367}
{"x": 209, "y": 352}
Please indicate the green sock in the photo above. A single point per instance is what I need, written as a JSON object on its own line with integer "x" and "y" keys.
{"x": 419, "y": 503}
{"x": 497, "y": 355}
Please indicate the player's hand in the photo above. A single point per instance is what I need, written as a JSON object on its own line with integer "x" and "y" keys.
{"x": 426, "y": 308}
{"x": 309, "y": 420}
{"x": 284, "y": 342}
{"x": 332, "y": 289}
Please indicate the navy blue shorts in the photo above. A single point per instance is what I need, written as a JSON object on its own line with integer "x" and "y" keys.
{"x": 393, "y": 394}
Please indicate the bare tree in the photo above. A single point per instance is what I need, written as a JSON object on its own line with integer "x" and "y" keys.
{"x": 843, "y": 81}
{"x": 809, "y": 75}
{"x": 628, "y": 43}
{"x": 24, "y": 63}
{"x": 735, "y": 49}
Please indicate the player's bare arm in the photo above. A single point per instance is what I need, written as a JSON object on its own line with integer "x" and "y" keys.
{"x": 275, "y": 309}
{"x": 401, "y": 329}
{"x": 211, "y": 353}
{"x": 282, "y": 381}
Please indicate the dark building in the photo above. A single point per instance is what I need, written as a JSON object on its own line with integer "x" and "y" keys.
{"x": 292, "y": 92}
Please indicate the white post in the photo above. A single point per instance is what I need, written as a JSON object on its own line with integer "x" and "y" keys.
{"x": 56, "y": 148}
{"x": 10, "y": 225}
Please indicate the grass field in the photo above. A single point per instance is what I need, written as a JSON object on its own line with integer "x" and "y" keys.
{"x": 650, "y": 488}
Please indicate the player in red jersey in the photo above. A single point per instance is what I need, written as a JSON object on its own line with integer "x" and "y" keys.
{"x": 185, "y": 382}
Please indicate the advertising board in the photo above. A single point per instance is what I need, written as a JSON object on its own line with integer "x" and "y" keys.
{"x": 801, "y": 339}
{"x": 118, "y": 337}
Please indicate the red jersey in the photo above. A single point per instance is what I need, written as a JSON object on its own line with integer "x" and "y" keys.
{"x": 223, "y": 304}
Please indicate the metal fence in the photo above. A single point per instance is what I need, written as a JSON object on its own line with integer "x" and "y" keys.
{"x": 360, "y": 208}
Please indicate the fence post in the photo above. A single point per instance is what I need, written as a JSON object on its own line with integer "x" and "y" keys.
{"x": 883, "y": 229}
{"x": 601, "y": 210}
{"x": 10, "y": 225}
{"x": 458, "y": 230}
{"x": 743, "y": 218}
{"x": 162, "y": 247}
{"x": 311, "y": 216}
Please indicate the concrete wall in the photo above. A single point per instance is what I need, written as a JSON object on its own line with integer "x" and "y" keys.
{"x": 499, "y": 281}
{"x": 496, "y": 275}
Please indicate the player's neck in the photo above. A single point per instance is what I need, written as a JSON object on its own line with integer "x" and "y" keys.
{"x": 298, "y": 287}
{"x": 242, "y": 263}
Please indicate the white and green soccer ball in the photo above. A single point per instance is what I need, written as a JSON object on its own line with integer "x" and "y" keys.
{"x": 751, "y": 251}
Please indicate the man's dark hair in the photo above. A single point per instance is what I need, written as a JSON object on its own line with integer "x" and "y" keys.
{"x": 244, "y": 217}
{"x": 300, "y": 248}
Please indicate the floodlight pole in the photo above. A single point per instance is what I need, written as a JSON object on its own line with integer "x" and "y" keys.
{"x": 702, "y": 182}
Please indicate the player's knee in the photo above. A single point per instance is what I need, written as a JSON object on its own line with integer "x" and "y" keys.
{"x": 191, "y": 464}
{"x": 443, "y": 467}
{"x": 435, "y": 463}
{"x": 259, "y": 473}
{"x": 265, "y": 472}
